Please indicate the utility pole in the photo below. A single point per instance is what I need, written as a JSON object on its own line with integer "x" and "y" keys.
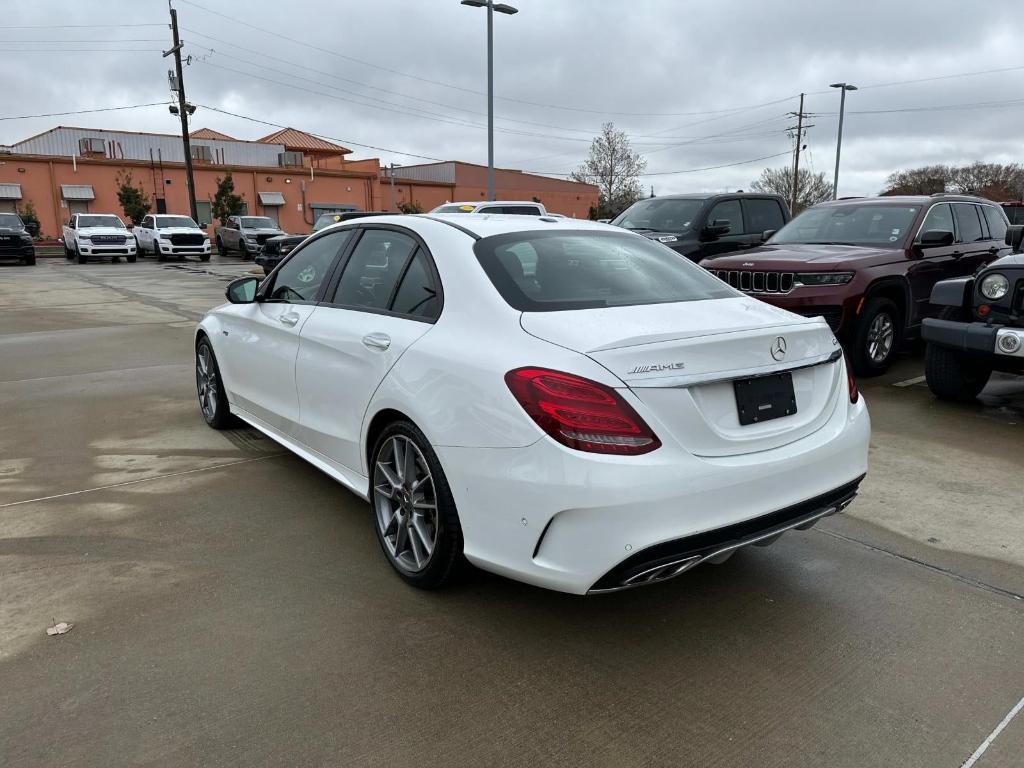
{"x": 491, "y": 7}
{"x": 393, "y": 187}
{"x": 800, "y": 128}
{"x": 184, "y": 109}
{"x": 843, "y": 88}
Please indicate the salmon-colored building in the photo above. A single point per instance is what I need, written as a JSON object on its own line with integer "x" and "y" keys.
{"x": 290, "y": 175}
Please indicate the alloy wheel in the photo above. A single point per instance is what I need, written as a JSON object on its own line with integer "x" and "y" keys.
{"x": 405, "y": 503}
{"x": 881, "y": 335}
{"x": 206, "y": 382}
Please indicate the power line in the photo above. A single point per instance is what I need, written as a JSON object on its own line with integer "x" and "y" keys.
{"x": 89, "y": 40}
{"x": 940, "y": 77}
{"x": 77, "y": 26}
{"x": 80, "y": 50}
{"x": 938, "y": 108}
{"x": 686, "y": 170}
{"x": 321, "y": 135}
{"x": 85, "y": 111}
{"x": 330, "y": 52}
{"x": 357, "y": 82}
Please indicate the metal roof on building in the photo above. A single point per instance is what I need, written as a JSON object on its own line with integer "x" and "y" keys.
{"x": 10, "y": 191}
{"x": 271, "y": 198}
{"x": 301, "y": 141}
{"x": 209, "y": 133}
{"x": 77, "y": 192}
{"x": 439, "y": 173}
{"x": 145, "y": 146}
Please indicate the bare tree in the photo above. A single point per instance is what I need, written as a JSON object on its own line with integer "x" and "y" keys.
{"x": 615, "y": 169}
{"x": 927, "y": 180}
{"x": 997, "y": 181}
{"x": 811, "y": 188}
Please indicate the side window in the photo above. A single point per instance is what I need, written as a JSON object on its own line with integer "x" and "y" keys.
{"x": 301, "y": 276}
{"x": 940, "y": 217}
{"x": 996, "y": 222}
{"x": 491, "y": 209}
{"x": 522, "y": 210}
{"x": 762, "y": 215}
{"x": 417, "y": 293}
{"x": 970, "y": 227}
{"x": 730, "y": 210}
{"x": 373, "y": 269}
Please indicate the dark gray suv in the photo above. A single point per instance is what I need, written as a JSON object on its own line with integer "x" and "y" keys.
{"x": 703, "y": 226}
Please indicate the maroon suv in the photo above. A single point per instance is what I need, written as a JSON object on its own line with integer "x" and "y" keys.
{"x": 867, "y": 265}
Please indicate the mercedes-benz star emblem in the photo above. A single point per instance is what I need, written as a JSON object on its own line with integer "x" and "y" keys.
{"x": 779, "y": 348}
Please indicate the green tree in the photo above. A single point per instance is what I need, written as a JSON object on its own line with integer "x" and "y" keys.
{"x": 30, "y": 217}
{"x": 410, "y": 207}
{"x": 225, "y": 202}
{"x": 133, "y": 199}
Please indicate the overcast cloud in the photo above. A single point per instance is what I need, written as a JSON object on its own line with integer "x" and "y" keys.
{"x": 656, "y": 68}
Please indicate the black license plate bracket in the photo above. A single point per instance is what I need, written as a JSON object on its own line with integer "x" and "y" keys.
{"x": 764, "y": 398}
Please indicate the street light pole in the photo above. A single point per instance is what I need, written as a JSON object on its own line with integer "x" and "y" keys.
{"x": 843, "y": 88}
{"x": 491, "y": 7}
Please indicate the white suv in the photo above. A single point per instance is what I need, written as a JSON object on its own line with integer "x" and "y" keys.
{"x": 166, "y": 236}
{"x": 513, "y": 207}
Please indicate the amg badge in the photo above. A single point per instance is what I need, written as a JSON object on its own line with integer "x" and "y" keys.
{"x": 658, "y": 367}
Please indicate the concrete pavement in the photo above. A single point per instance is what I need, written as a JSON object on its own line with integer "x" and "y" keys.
{"x": 231, "y": 605}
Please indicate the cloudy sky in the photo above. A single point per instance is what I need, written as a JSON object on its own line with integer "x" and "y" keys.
{"x": 694, "y": 84}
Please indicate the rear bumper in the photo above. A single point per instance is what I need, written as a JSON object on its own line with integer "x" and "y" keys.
{"x": 575, "y": 522}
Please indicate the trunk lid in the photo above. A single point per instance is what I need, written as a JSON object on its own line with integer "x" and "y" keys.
{"x": 680, "y": 360}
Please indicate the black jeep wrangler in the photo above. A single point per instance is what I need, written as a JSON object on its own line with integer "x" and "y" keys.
{"x": 980, "y": 327}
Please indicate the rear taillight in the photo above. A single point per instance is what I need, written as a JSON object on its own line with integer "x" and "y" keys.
{"x": 580, "y": 413}
{"x": 851, "y": 383}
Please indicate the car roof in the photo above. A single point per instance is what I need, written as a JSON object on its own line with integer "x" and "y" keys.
{"x": 710, "y": 195}
{"x": 906, "y": 200}
{"x": 480, "y": 225}
{"x": 478, "y": 203}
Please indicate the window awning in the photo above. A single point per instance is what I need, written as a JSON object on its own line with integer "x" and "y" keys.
{"x": 77, "y": 192}
{"x": 10, "y": 191}
{"x": 271, "y": 198}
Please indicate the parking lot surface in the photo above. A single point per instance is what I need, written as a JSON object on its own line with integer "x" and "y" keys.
{"x": 231, "y": 606}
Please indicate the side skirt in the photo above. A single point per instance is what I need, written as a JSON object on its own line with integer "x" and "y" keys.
{"x": 352, "y": 480}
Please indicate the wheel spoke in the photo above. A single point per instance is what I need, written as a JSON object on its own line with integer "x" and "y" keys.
{"x": 423, "y": 504}
{"x": 398, "y": 456}
{"x": 409, "y": 468}
{"x": 390, "y": 526}
{"x": 390, "y": 476}
{"x": 417, "y": 548}
{"x": 386, "y": 490}
{"x": 401, "y": 538}
{"x": 426, "y": 541}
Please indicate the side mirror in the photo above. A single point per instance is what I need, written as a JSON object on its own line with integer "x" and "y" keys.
{"x": 767, "y": 235}
{"x": 242, "y": 290}
{"x": 717, "y": 228}
{"x": 1014, "y": 236}
{"x": 936, "y": 238}
{"x": 32, "y": 228}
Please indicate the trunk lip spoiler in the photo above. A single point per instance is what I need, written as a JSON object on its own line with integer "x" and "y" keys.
{"x": 691, "y": 380}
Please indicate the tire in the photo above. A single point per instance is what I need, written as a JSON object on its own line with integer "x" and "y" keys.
{"x": 204, "y": 257}
{"x": 160, "y": 257}
{"x": 82, "y": 258}
{"x": 213, "y": 402}
{"x": 221, "y": 250}
{"x": 953, "y": 375}
{"x": 29, "y": 261}
{"x": 68, "y": 253}
{"x": 424, "y": 548}
{"x": 131, "y": 258}
{"x": 138, "y": 246}
{"x": 246, "y": 254}
{"x": 877, "y": 337}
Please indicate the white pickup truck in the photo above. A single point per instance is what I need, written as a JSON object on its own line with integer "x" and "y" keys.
{"x": 91, "y": 235}
{"x": 246, "y": 234}
{"x": 168, "y": 236}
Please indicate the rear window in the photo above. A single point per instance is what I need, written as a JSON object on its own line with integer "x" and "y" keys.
{"x": 551, "y": 271}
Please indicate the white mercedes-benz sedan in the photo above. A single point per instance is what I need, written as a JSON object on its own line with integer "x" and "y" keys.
{"x": 562, "y": 402}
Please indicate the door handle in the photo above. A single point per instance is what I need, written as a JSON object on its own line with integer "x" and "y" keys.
{"x": 993, "y": 250}
{"x": 289, "y": 318}
{"x": 379, "y": 341}
{"x": 956, "y": 254}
